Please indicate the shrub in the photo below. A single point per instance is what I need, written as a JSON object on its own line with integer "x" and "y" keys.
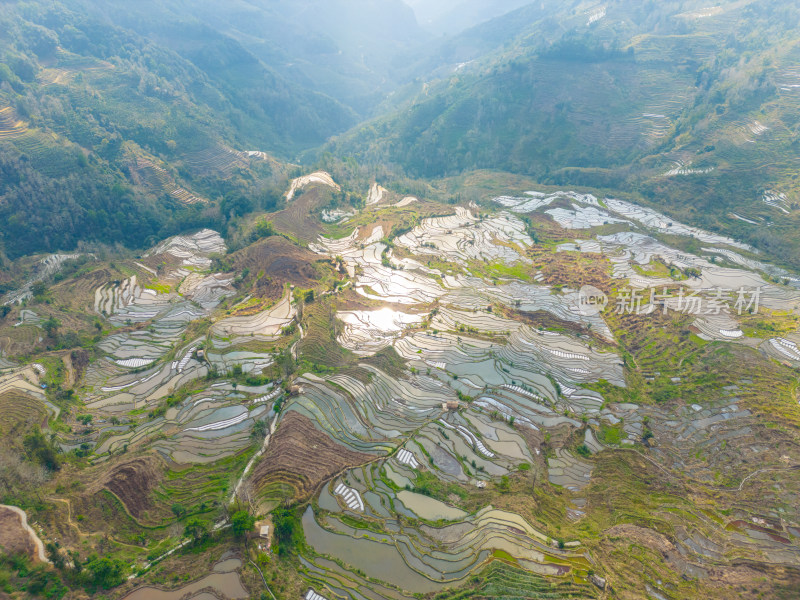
{"x": 41, "y": 450}
{"x": 262, "y": 229}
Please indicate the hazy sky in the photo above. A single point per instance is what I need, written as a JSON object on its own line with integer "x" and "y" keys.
{"x": 430, "y": 9}
{"x": 456, "y": 14}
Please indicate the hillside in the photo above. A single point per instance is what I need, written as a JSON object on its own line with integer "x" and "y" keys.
{"x": 691, "y": 110}
{"x": 343, "y": 49}
{"x": 117, "y": 139}
{"x": 415, "y": 396}
{"x": 383, "y": 300}
{"x": 448, "y": 17}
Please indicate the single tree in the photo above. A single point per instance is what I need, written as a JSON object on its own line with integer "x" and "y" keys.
{"x": 197, "y": 529}
{"x": 242, "y": 523}
{"x": 51, "y": 326}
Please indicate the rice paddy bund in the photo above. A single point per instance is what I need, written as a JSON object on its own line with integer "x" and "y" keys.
{"x": 436, "y": 405}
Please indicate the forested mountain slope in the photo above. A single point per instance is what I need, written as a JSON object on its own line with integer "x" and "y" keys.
{"x": 348, "y": 50}
{"x": 691, "y": 108}
{"x": 106, "y": 135}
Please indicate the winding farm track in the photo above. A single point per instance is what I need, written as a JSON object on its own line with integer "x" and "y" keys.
{"x": 293, "y": 351}
{"x": 754, "y": 473}
{"x": 34, "y": 537}
{"x": 83, "y": 534}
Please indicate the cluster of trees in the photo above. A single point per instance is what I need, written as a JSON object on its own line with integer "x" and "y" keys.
{"x": 18, "y": 572}
{"x": 42, "y": 449}
{"x": 586, "y": 49}
{"x": 288, "y": 531}
{"x": 94, "y": 573}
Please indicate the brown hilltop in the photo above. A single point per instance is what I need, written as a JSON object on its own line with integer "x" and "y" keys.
{"x": 301, "y": 457}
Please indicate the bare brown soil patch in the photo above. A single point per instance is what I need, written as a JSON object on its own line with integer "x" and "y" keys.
{"x": 133, "y": 481}
{"x": 276, "y": 261}
{"x": 20, "y": 412}
{"x": 543, "y": 319}
{"x": 572, "y": 269}
{"x": 303, "y": 457}
{"x": 78, "y": 293}
{"x": 642, "y": 535}
{"x": 80, "y": 361}
{"x": 298, "y": 218}
{"x": 390, "y": 362}
{"x": 547, "y": 230}
{"x": 14, "y": 539}
{"x": 740, "y": 579}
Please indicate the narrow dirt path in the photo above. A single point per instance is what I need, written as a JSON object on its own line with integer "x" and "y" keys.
{"x": 293, "y": 351}
{"x": 254, "y": 459}
{"x": 67, "y": 360}
{"x": 754, "y": 473}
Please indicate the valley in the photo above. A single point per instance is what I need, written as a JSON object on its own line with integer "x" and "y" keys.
{"x": 399, "y": 300}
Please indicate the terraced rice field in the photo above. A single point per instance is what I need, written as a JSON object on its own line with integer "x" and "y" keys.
{"x": 266, "y": 325}
{"x": 11, "y": 126}
{"x": 415, "y": 542}
{"x": 299, "y": 458}
{"x": 681, "y": 168}
{"x": 217, "y": 159}
{"x": 21, "y": 411}
{"x": 23, "y": 399}
{"x": 462, "y": 332}
{"x": 67, "y": 65}
{"x": 158, "y": 180}
{"x": 376, "y": 194}
{"x": 146, "y": 366}
{"x": 777, "y": 200}
{"x": 193, "y": 250}
{"x": 451, "y": 364}
{"x": 368, "y": 332}
{"x": 44, "y": 268}
{"x": 336, "y": 216}
{"x": 49, "y": 155}
{"x": 463, "y": 237}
